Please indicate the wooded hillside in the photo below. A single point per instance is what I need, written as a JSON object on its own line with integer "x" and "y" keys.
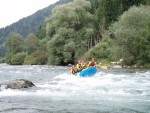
{"x": 107, "y": 30}
{"x": 29, "y": 24}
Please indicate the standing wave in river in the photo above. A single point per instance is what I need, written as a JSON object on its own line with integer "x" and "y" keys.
{"x": 109, "y": 91}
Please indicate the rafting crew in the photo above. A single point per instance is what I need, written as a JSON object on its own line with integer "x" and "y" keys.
{"x": 76, "y": 68}
{"x": 81, "y": 65}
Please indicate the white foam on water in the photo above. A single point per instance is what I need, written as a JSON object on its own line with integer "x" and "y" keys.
{"x": 65, "y": 85}
{"x": 10, "y": 92}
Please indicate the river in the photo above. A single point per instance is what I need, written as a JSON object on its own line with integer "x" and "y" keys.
{"x": 109, "y": 91}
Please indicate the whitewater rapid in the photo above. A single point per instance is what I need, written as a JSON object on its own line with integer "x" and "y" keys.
{"x": 114, "y": 89}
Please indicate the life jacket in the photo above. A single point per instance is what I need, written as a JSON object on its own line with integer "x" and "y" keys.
{"x": 72, "y": 71}
{"x": 92, "y": 63}
{"x": 83, "y": 65}
{"x": 79, "y": 67}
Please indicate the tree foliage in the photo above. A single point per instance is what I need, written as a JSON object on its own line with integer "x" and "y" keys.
{"x": 18, "y": 59}
{"x": 8, "y": 58}
{"x": 31, "y": 43}
{"x": 107, "y": 11}
{"x": 14, "y": 42}
{"x": 132, "y": 35}
{"x": 14, "y": 45}
{"x": 68, "y": 29}
{"x": 101, "y": 50}
{"x": 36, "y": 58}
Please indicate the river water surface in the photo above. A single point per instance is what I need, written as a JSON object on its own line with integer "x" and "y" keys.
{"x": 109, "y": 91}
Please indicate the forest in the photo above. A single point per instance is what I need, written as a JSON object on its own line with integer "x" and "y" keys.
{"x": 107, "y": 30}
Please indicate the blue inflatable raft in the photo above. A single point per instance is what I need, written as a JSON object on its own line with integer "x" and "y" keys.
{"x": 90, "y": 71}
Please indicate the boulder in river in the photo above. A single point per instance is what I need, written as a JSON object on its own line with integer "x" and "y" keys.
{"x": 17, "y": 84}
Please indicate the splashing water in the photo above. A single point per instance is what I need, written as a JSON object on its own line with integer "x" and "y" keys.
{"x": 109, "y": 91}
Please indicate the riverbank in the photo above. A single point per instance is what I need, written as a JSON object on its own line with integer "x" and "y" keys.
{"x": 103, "y": 63}
{"x": 106, "y": 64}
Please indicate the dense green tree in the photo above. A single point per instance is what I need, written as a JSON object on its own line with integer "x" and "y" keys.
{"x": 132, "y": 35}
{"x": 101, "y": 50}
{"x": 18, "y": 59}
{"x": 8, "y": 58}
{"x": 41, "y": 32}
{"x": 69, "y": 28}
{"x": 14, "y": 45}
{"x": 36, "y": 58}
{"x": 31, "y": 43}
{"x": 107, "y": 11}
{"x": 14, "y": 42}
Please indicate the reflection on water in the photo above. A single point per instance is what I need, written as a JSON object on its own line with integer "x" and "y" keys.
{"x": 109, "y": 91}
